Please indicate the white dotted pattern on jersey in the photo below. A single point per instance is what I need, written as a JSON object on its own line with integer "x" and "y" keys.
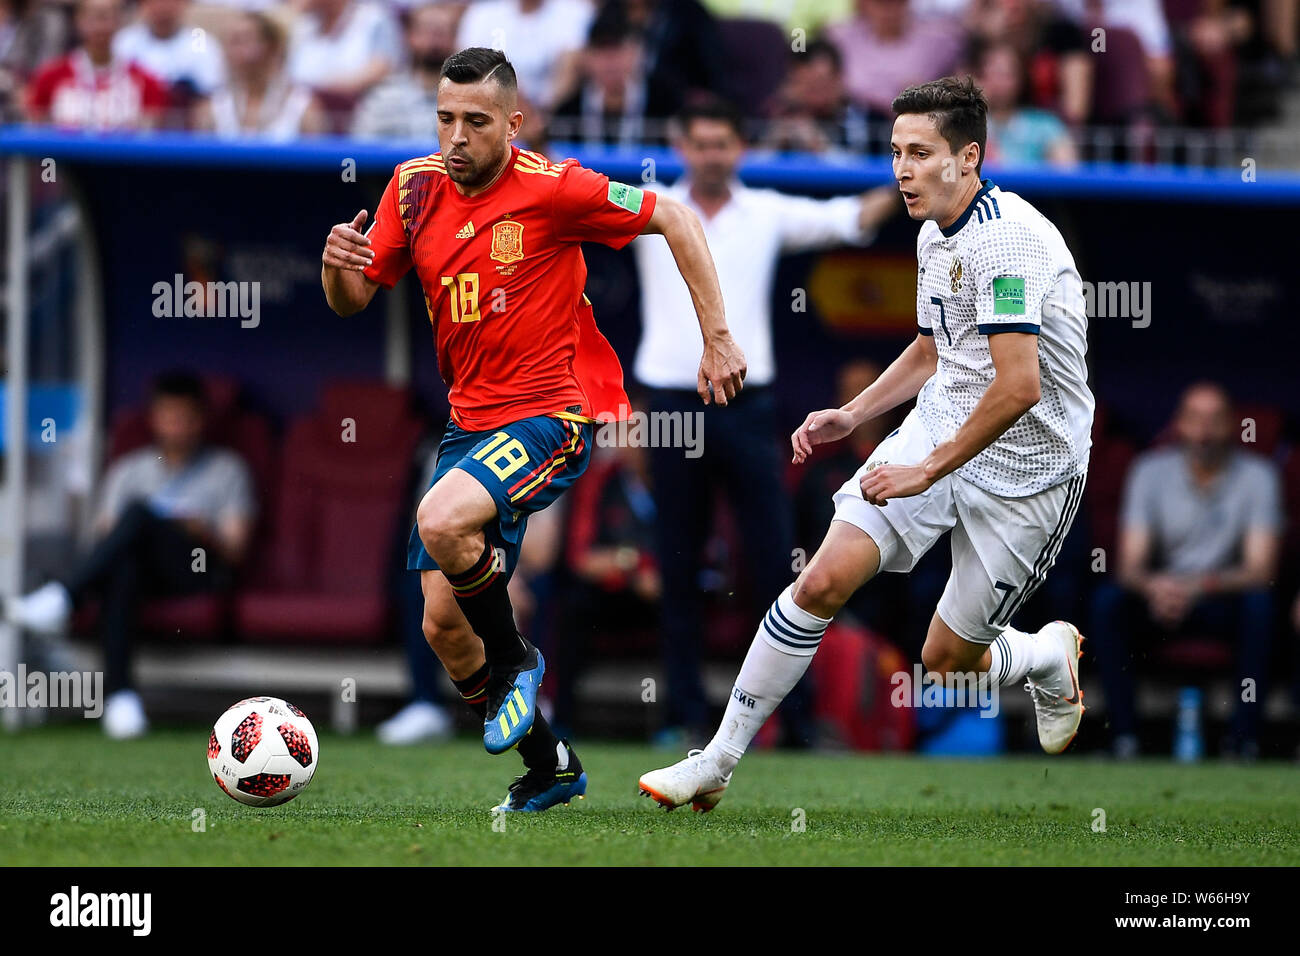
{"x": 1005, "y": 248}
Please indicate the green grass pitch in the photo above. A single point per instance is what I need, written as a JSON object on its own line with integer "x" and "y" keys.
{"x": 68, "y": 796}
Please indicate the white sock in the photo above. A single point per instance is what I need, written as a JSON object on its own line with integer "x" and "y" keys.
{"x": 781, "y": 651}
{"x": 1012, "y": 657}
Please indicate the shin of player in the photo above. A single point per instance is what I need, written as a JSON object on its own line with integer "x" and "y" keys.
{"x": 793, "y": 628}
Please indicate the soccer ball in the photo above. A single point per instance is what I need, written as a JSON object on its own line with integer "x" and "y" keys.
{"x": 263, "y": 751}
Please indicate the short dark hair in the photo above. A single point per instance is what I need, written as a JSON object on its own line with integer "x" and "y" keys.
{"x": 476, "y": 63}
{"x": 179, "y": 384}
{"x": 712, "y": 108}
{"x": 821, "y": 49}
{"x": 609, "y": 28}
{"x": 957, "y": 107}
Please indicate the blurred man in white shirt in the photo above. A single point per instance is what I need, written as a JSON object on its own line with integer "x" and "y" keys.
{"x": 187, "y": 59}
{"x": 748, "y": 230}
{"x": 541, "y": 37}
{"x": 343, "y": 48}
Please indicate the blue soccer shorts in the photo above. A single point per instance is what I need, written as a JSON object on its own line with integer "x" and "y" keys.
{"x": 524, "y": 466}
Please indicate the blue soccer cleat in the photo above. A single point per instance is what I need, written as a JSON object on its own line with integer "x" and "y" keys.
{"x": 539, "y": 790}
{"x": 511, "y": 704}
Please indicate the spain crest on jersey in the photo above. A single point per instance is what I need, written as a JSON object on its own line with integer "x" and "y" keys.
{"x": 508, "y": 241}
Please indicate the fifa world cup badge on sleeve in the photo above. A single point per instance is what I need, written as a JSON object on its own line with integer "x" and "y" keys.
{"x": 626, "y": 197}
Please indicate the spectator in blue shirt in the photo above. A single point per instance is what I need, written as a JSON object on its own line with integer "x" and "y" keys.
{"x": 1200, "y": 530}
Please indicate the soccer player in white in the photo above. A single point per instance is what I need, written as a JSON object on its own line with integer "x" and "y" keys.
{"x": 996, "y": 449}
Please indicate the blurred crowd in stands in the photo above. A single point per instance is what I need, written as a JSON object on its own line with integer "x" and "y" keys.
{"x": 810, "y": 75}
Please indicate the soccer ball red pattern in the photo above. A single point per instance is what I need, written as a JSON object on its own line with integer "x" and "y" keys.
{"x": 263, "y": 751}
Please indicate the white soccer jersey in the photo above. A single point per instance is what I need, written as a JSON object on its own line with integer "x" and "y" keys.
{"x": 1003, "y": 267}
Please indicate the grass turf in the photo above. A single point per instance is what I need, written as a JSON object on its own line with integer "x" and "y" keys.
{"x": 68, "y": 796}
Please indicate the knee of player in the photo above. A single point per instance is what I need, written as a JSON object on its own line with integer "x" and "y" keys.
{"x": 819, "y": 590}
{"x": 939, "y": 660}
{"x": 438, "y": 526}
{"x": 934, "y": 660}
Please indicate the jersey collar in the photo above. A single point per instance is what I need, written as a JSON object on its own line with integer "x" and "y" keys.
{"x": 950, "y": 231}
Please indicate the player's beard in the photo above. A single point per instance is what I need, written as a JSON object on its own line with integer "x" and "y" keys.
{"x": 478, "y": 173}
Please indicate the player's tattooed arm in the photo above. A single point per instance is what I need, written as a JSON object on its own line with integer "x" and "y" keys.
{"x": 723, "y": 366}
{"x": 347, "y": 253}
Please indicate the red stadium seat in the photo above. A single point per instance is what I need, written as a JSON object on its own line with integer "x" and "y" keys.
{"x": 1196, "y": 654}
{"x": 1108, "y": 469}
{"x": 341, "y": 500}
{"x": 183, "y": 619}
{"x": 195, "y": 618}
{"x": 1268, "y": 420}
{"x": 374, "y": 401}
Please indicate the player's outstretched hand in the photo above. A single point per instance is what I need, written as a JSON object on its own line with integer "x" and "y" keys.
{"x": 347, "y": 247}
{"x": 830, "y": 424}
{"x": 722, "y": 370}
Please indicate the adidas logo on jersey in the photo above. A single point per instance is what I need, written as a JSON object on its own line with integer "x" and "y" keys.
{"x": 466, "y": 231}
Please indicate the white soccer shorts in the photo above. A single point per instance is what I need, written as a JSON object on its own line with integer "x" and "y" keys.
{"x": 1002, "y": 548}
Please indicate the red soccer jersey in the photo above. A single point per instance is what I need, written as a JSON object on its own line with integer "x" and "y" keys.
{"x": 503, "y": 278}
{"x": 71, "y": 92}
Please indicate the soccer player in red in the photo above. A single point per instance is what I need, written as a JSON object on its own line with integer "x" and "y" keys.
{"x": 494, "y": 234}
